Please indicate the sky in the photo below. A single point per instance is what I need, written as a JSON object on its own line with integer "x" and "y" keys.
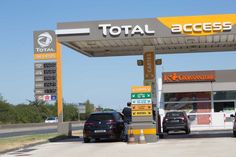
{"x": 104, "y": 81}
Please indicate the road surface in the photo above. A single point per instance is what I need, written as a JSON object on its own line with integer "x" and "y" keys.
{"x": 34, "y": 130}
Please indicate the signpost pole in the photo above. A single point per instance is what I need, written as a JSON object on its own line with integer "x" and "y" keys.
{"x": 59, "y": 84}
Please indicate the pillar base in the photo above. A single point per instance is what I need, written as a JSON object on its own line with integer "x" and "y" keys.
{"x": 149, "y": 131}
{"x": 64, "y": 128}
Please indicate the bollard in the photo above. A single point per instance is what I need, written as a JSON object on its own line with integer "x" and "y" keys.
{"x": 131, "y": 139}
{"x": 141, "y": 137}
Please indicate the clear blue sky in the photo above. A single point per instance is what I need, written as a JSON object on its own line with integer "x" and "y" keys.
{"x": 104, "y": 81}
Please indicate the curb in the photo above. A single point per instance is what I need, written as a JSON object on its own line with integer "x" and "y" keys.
{"x": 55, "y": 139}
{"x": 23, "y": 147}
{"x": 207, "y": 130}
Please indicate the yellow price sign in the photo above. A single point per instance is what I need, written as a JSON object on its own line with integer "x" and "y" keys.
{"x": 141, "y": 89}
{"x": 44, "y": 56}
{"x": 142, "y": 107}
{"x": 141, "y": 113}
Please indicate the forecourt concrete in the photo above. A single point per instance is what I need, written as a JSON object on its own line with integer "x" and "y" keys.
{"x": 200, "y": 147}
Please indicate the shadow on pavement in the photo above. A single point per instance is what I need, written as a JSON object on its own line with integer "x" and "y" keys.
{"x": 66, "y": 139}
{"x": 80, "y": 139}
{"x": 105, "y": 141}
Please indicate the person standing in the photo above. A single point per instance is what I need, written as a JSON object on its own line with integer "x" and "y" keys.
{"x": 127, "y": 113}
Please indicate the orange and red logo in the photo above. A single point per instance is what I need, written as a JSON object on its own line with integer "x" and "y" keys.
{"x": 198, "y": 76}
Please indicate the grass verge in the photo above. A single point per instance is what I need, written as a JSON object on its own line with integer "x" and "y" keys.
{"x": 10, "y": 143}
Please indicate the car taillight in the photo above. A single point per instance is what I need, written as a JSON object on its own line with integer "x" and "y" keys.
{"x": 111, "y": 122}
{"x": 184, "y": 119}
{"x": 89, "y": 124}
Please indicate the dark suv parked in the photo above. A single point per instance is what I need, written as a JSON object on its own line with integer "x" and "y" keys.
{"x": 104, "y": 125}
{"x": 176, "y": 121}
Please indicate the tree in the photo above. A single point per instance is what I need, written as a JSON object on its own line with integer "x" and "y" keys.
{"x": 7, "y": 112}
{"x": 28, "y": 114}
{"x": 89, "y": 108}
{"x": 36, "y": 102}
{"x": 2, "y": 100}
{"x": 70, "y": 112}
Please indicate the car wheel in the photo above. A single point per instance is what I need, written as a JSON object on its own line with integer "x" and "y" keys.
{"x": 86, "y": 140}
{"x": 161, "y": 135}
{"x": 166, "y": 131}
{"x": 234, "y": 133}
{"x": 97, "y": 139}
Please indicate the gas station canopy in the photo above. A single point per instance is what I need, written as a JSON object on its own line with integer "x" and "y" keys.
{"x": 168, "y": 35}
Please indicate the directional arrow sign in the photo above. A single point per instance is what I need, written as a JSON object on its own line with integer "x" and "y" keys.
{"x": 142, "y": 113}
{"x": 140, "y": 95}
{"x": 141, "y": 101}
{"x": 142, "y": 107}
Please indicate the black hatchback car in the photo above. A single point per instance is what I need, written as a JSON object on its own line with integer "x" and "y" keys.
{"x": 109, "y": 125}
{"x": 176, "y": 121}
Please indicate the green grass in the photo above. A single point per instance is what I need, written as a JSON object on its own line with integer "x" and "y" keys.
{"x": 21, "y": 141}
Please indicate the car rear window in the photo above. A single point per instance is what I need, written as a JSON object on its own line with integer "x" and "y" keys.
{"x": 101, "y": 117}
{"x": 51, "y": 118}
{"x": 174, "y": 114}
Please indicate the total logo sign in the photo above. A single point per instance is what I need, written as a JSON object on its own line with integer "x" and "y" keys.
{"x": 126, "y": 29}
{"x": 44, "y": 41}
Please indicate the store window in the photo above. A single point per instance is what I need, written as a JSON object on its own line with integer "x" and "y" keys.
{"x": 199, "y": 107}
{"x": 227, "y": 107}
{"x": 191, "y": 96}
{"x": 225, "y": 95}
